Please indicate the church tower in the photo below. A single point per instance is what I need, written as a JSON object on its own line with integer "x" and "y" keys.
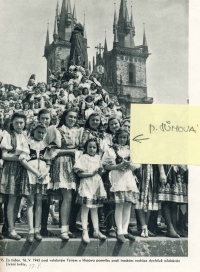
{"x": 57, "y": 53}
{"x": 127, "y": 62}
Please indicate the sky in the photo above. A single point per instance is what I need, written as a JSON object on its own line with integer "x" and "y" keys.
{"x": 23, "y": 26}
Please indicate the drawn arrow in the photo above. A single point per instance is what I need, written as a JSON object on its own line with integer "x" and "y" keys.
{"x": 138, "y": 140}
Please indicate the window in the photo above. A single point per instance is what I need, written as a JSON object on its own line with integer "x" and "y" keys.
{"x": 62, "y": 64}
{"x": 51, "y": 65}
{"x": 132, "y": 73}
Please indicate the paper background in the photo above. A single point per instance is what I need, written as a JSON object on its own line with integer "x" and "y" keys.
{"x": 192, "y": 262}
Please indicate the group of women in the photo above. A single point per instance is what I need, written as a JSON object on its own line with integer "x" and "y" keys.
{"x": 88, "y": 167}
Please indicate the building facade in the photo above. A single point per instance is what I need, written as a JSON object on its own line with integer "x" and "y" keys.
{"x": 125, "y": 65}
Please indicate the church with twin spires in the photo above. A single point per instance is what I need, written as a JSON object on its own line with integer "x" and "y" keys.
{"x": 123, "y": 68}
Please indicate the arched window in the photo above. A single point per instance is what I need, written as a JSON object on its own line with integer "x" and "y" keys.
{"x": 132, "y": 73}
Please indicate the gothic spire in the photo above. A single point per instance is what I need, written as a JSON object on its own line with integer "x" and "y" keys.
{"x": 66, "y": 21}
{"x": 105, "y": 45}
{"x": 69, "y": 9}
{"x": 62, "y": 20}
{"x": 55, "y": 33}
{"x": 127, "y": 20}
{"x": 144, "y": 38}
{"x": 122, "y": 14}
{"x": 47, "y": 37}
{"x": 116, "y": 36}
{"x": 93, "y": 62}
{"x": 84, "y": 34}
{"x": 63, "y": 9}
{"x": 132, "y": 21}
{"x": 74, "y": 14}
{"x": 57, "y": 10}
{"x": 115, "y": 16}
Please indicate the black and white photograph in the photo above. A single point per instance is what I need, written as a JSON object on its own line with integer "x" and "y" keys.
{"x": 69, "y": 187}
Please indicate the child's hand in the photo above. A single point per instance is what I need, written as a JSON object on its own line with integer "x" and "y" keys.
{"x": 163, "y": 178}
{"x": 94, "y": 172}
{"x": 42, "y": 177}
{"x": 100, "y": 170}
{"x": 122, "y": 166}
{"x": 38, "y": 174}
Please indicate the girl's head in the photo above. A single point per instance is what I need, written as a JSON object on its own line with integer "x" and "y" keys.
{"x": 83, "y": 79}
{"x": 99, "y": 90}
{"x": 111, "y": 105}
{"x": 85, "y": 91}
{"x": 36, "y": 105}
{"x": 38, "y": 131}
{"x": 62, "y": 93}
{"x": 26, "y": 106}
{"x": 37, "y": 91}
{"x": 126, "y": 125}
{"x": 93, "y": 122}
{"x": 18, "y": 122}
{"x": 91, "y": 147}
{"x": 93, "y": 86}
{"x": 44, "y": 117}
{"x": 99, "y": 102}
{"x": 113, "y": 125}
{"x": 89, "y": 99}
{"x": 17, "y": 106}
{"x": 68, "y": 105}
{"x": 68, "y": 118}
{"x": 121, "y": 137}
{"x": 10, "y": 88}
{"x": 6, "y": 108}
{"x": 76, "y": 92}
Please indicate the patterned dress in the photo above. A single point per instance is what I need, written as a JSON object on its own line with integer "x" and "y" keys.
{"x": 30, "y": 184}
{"x": 91, "y": 191}
{"x": 123, "y": 183}
{"x": 148, "y": 178}
{"x": 16, "y": 144}
{"x": 176, "y": 188}
{"x": 62, "y": 174}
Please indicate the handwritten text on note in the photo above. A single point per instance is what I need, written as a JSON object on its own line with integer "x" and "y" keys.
{"x": 165, "y": 134}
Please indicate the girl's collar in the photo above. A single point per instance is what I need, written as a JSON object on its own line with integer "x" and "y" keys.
{"x": 65, "y": 128}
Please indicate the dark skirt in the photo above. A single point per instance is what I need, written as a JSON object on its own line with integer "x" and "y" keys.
{"x": 148, "y": 178}
{"x": 11, "y": 178}
{"x": 62, "y": 173}
{"x": 107, "y": 186}
{"x": 176, "y": 188}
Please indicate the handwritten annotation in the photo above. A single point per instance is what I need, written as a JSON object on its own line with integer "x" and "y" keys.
{"x": 167, "y": 126}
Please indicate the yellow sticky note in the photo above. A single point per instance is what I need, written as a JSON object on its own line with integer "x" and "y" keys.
{"x": 165, "y": 134}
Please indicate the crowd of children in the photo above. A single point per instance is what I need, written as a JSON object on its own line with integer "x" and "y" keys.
{"x": 69, "y": 141}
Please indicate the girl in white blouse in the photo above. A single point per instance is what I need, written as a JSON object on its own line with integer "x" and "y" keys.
{"x": 14, "y": 147}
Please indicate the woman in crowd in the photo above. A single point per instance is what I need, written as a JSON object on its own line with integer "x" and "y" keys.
{"x": 14, "y": 146}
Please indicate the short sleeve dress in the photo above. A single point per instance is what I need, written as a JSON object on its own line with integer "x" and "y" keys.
{"x": 123, "y": 183}
{"x": 61, "y": 172}
{"x": 91, "y": 191}
{"x": 12, "y": 170}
